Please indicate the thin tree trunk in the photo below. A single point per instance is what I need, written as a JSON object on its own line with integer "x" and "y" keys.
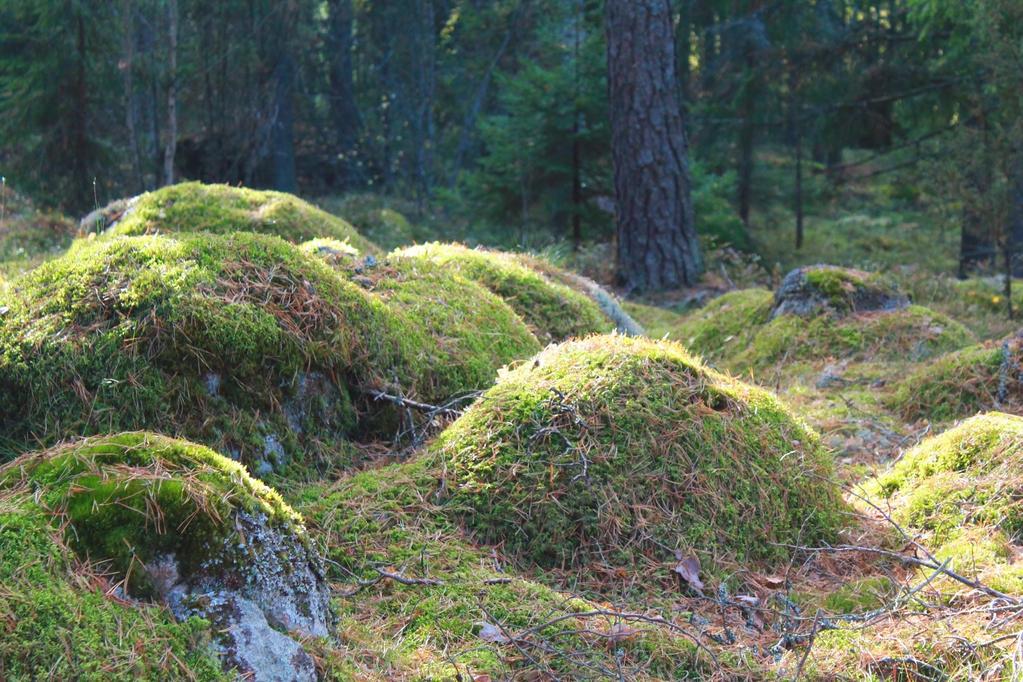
{"x": 657, "y": 243}
{"x": 344, "y": 109}
{"x": 80, "y": 142}
{"x": 282, "y": 131}
{"x": 130, "y": 102}
{"x": 172, "y": 93}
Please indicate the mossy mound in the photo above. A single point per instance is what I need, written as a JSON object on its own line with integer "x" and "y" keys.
{"x": 242, "y": 342}
{"x": 740, "y": 331}
{"x": 808, "y": 291}
{"x": 220, "y": 209}
{"x": 552, "y": 310}
{"x": 959, "y": 384}
{"x": 170, "y": 522}
{"x": 473, "y": 332}
{"x": 382, "y": 220}
{"x": 964, "y": 490}
{"x": 657, "y": 322}
{"x": 614, "y": 448}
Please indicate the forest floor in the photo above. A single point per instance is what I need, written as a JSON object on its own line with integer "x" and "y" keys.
{"x": 924, "y": 579}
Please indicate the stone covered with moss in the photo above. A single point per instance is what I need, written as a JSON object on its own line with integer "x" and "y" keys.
{"x": 243, "y": 342}
{"x": 810, "y": 290}
{"x": 220, "y": 209}
{"x": 176, "y": 524}
{"x": 741, "y": 330}
{"x": 615, "y": 448}
{"x": 985, "y": 376}
{"x": 963, "y": 489}
{"x": 553, "y": 310}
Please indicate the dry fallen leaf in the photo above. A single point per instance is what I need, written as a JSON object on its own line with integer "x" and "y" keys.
{"x": 688, "y": 570}
{"x": 775, "y": 582}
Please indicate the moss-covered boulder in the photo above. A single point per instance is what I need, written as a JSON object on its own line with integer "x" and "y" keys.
{"x": 220, "y": 209}
{"x": 740, "y": 330}
{"x": 808, "y": 291}
{"x": 177, "y": 524}
{"x": 963, "y": 489}
{"x": 382, "y": 220}
{"x": 553, "y": 310}
{"x": 614, "y": 447}
{"x": 242, "y": 342}
{"x": 984, "y": 376}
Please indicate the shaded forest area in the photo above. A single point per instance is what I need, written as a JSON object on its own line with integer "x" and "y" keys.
{"x": 495, "y": 114}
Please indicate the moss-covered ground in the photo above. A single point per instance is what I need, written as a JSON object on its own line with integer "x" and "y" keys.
{"x": 608, "y": 509}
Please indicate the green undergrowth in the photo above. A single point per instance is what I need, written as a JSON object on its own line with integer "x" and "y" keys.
{"x": 553, "y": 310}
{"x": 962, "y": 383}
{"x": 243, "y": 342}
{"x": 78, "y": 518}
{"x": 963, "y": 489}
{"x": 220, "y": 209}
{"x": 613, "y": 449}
{"x": 393, "y": 519}
{"x": 736, "y": 331}
{"x": 29, "y": 236}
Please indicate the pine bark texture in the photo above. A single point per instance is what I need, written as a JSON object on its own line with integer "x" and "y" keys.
{"x": 657, "y": 244}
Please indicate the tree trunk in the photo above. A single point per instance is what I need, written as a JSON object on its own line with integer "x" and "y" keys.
{"x": 172, "y": 93}
{"x": 282, "y": 131}
{"x": 657, "y": 243}
{"x": 344, "y": 110}
{"x": 282, "y": 119}
{"x": 80, "y": 142}
{"x": 130, "y": 100}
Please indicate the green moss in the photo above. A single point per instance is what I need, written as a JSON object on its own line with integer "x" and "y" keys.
{"x": 962, "y": 383}
{"x": 242, "y": 342}
{"x": 616, "y": 447}
{"x": 381, "y": 219}
{"x": 725, "y": 326}
{"x": 962, "y": 487}
{"x": 195, "y": 207}
{"x": 840, "y": 286}
{"x": 552, "y": 310}
{"x": 391, "y": 518}
{"x": 861, "y": 595}
{"x": 131, "y": 497}
{"x": 657, "y": 322}
{"x": 212, "y": 337}
{"x": 736, "y": 331}
{"x": 103, "y": 497}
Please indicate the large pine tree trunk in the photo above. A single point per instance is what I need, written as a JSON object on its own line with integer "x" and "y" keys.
{"x": 657, "y": 244}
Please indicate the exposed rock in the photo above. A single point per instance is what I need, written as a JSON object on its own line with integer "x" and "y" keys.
{"x": 810, "y": 290}
{"x": 108, "y": 216}
{"x": 255, "y": 587}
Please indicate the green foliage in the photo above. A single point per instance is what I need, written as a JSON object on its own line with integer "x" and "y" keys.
{"x": 558, "y": 458}
{"x": 382, "y": 220}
